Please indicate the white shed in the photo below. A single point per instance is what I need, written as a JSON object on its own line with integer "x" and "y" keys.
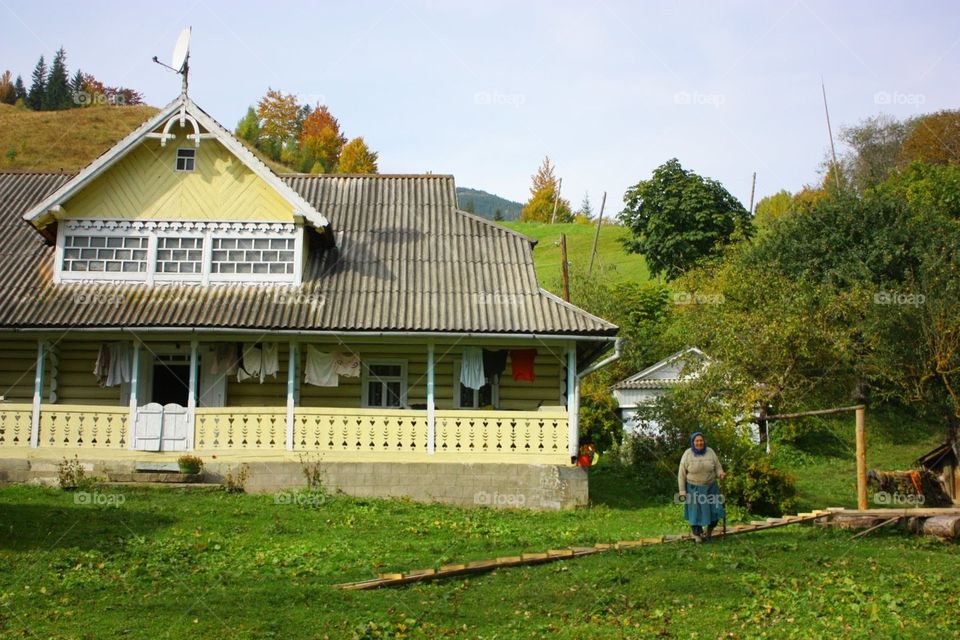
{"x": 645, "y": 387}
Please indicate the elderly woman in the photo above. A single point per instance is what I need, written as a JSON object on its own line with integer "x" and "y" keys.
{"x": 702, "y": 503}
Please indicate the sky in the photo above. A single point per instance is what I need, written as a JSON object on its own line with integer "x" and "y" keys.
{"x": 484, "y": 90}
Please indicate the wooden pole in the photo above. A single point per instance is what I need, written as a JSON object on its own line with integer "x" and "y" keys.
{"x": 556, "y": 201}
{"x": 564, "y": 276}
{"x": 596, "y": 237}
{"x": 816, "y": 412}
{"x": 753, "y": 189}
{"x": 861, "y": 460}
{"x": 833, "y": 151}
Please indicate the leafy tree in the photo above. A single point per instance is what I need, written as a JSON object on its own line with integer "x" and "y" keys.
{"x": 38, "y": 87}
{"x": 249, "y": 127}
{"x": 544, "y": 194}
{"x": 930, "y": 188}
{"x": 278, "y": 117}
{"x": 57, "y": 91}
{"x": 321, "y": 141}
{"x": 20, "y": 89}
{"x": 772, "y": 208}
{"x": 933, "y": 138}
{"x": 356, "y": 157}
{"x": 679, "y": 218}
{"x": 8, "y": 93}
{"x": 875, "y": 147}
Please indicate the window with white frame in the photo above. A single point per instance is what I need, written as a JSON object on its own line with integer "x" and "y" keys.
{"x": 105, "y": 254}
{"x": 180, "y": 251}
{"x": 384, "y": 384}
{"x": 466, "y": 398}
{"x": 180, "y": 255}
{"x": 252, "y": 255}
{"x": 186, "y": 159}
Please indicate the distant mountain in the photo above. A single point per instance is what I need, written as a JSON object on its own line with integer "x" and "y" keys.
{"x": 486, "y": 204}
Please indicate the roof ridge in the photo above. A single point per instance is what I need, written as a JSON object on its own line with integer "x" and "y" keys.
{"x": 493, "y": 224}
{"x": 574, "y": 307}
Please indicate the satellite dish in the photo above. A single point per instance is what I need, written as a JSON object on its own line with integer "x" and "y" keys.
{"x": 181, "y": 51}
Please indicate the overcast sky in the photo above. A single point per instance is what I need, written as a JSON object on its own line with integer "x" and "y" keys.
{"x": 484, "y": 90}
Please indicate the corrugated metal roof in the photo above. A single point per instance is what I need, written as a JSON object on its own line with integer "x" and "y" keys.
{"x": 406, "y": 260}
{"x": 667, "y": 383}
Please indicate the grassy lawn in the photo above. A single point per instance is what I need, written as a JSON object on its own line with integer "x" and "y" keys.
{"x": 177, "y": 564}
{"x": 617, "y": 264}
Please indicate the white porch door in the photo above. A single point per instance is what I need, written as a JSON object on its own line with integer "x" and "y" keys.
{"x": 161, "y": 428}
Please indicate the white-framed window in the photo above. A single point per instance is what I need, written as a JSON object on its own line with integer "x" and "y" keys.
{"x": 110, "y": 254}
{"x": 384, "y": 383}
{"x": 186, "y": 159}
{"x": 233, "y": 255}
{"x": 466, "y": 398}
{"x": 203, "y": 252}
{"x": 179, "y": 255}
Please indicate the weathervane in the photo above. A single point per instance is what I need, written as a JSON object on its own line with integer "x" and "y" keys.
{"x": 180, "y": 62}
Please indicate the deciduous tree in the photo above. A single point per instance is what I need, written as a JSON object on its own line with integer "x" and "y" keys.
{"x": 321, "y": 141}
{"x": 356, "y": 157}
{"x": 544, "y": 197}
{"x": 278, "y": 121}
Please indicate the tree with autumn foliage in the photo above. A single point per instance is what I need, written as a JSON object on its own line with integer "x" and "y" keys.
{"x": 320, "y": 142}
{"x": 933, "y": 138}
{"x": 278, "y": 121}
{"x": 544, "y": 194}
{"x": 357, "y": 157}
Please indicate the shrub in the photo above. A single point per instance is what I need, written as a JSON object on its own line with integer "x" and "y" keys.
{"x": 71, "y": 475}
{"x": 190, "y": 464}
{"x": 762, "y": 489}
{"x": 236, "y": 479}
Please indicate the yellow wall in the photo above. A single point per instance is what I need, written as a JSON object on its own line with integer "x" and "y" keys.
{"x": 144, "y": 185}
{"x": 18, "y": 360}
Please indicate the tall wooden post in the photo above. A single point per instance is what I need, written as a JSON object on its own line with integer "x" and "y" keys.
{"x": 862, "y": 504}
{"x": 564, "y": 276}
{"x": 431, "y": 399}
{"x": 596, "y": 236}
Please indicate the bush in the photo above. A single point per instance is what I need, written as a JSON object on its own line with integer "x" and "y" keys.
{"x": 190, "y": 464}
{"x": 599, "y": 423}
{"x": 762, "y": 489}
{"x": 72, "y": 476}
{"x": 236, "y": 479}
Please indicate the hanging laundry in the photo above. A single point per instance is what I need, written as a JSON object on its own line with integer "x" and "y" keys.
{"x": 521, "y": 363}
{"x": 471, "y": 368}
{"x": 321, "y": 368}
{"x": 226, "y": 359}
{"x": 113, "y": 364}
{"x": 494, "y": 363}
{"x": 270, "y": 365}
{"x": 347, "y": 363}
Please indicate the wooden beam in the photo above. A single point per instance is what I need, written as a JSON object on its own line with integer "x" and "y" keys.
{"x": 862, "y": 502}
{"x": 815, "y": 412}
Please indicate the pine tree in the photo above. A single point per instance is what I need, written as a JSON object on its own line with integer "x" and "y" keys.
{"x": 469, "y": 207}
{"x": 20, "y": 89}
{"x": 57, "y": 93}
{"x": 586, "y": 210}
{"x": 544, "y": 193}
{"x": 76, "y": 88}
{"x": 38, "y": 86}
{"x": 356, "y": 157}
{"x": 497, "y": 215}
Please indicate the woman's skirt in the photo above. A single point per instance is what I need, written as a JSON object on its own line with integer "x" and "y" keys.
{"x": 704, "y": 504}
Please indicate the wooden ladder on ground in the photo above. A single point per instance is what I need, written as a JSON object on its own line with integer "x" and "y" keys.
{"x": 482, "y": 566}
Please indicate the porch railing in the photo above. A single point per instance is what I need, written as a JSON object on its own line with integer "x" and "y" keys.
{"x": 240, "y": 428}
{"x": 526, "y": 436}
{"x": 84, "y": 426}
{"x": 15, "y": 422}
{"x": 361, "y": 431}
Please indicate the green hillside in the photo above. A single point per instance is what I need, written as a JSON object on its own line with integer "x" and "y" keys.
{"x": 486, "y": 204}
{"x": 611, "y": 256}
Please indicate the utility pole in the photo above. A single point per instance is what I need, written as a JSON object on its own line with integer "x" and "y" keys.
{"x": 833, "y": 151}
{"x": 564, "y": 276}
{"x": 596, "y": 236}
{"x": 556, "y": 200}
{"x": 753, "y": 189}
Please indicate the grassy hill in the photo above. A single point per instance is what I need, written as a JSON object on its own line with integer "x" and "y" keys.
{"x": 68, "y": 140}
{"x": 611, "y": 256}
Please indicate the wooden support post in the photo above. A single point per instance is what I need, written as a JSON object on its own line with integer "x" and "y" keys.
{"x": 37, "y": 395}
{"x": 192, "y": 393}
{"x": 862, "y": 503}
{"x": 431, "y": 401}
{"x": 596, "y": 236}
{"x": 292, "y": 366}
{"x": 134, "y": 396}
{"x": 572, "y": 401}
{"x": 564, "y": 276}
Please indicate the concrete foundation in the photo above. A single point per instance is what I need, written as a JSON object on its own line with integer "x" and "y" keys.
{"x": 516, "y": 486}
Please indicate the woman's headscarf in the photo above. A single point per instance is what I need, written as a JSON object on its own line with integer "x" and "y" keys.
{"x": 698, "y": 452}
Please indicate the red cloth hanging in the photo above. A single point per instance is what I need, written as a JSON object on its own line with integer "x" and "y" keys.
{"x": 521, "y": 364}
